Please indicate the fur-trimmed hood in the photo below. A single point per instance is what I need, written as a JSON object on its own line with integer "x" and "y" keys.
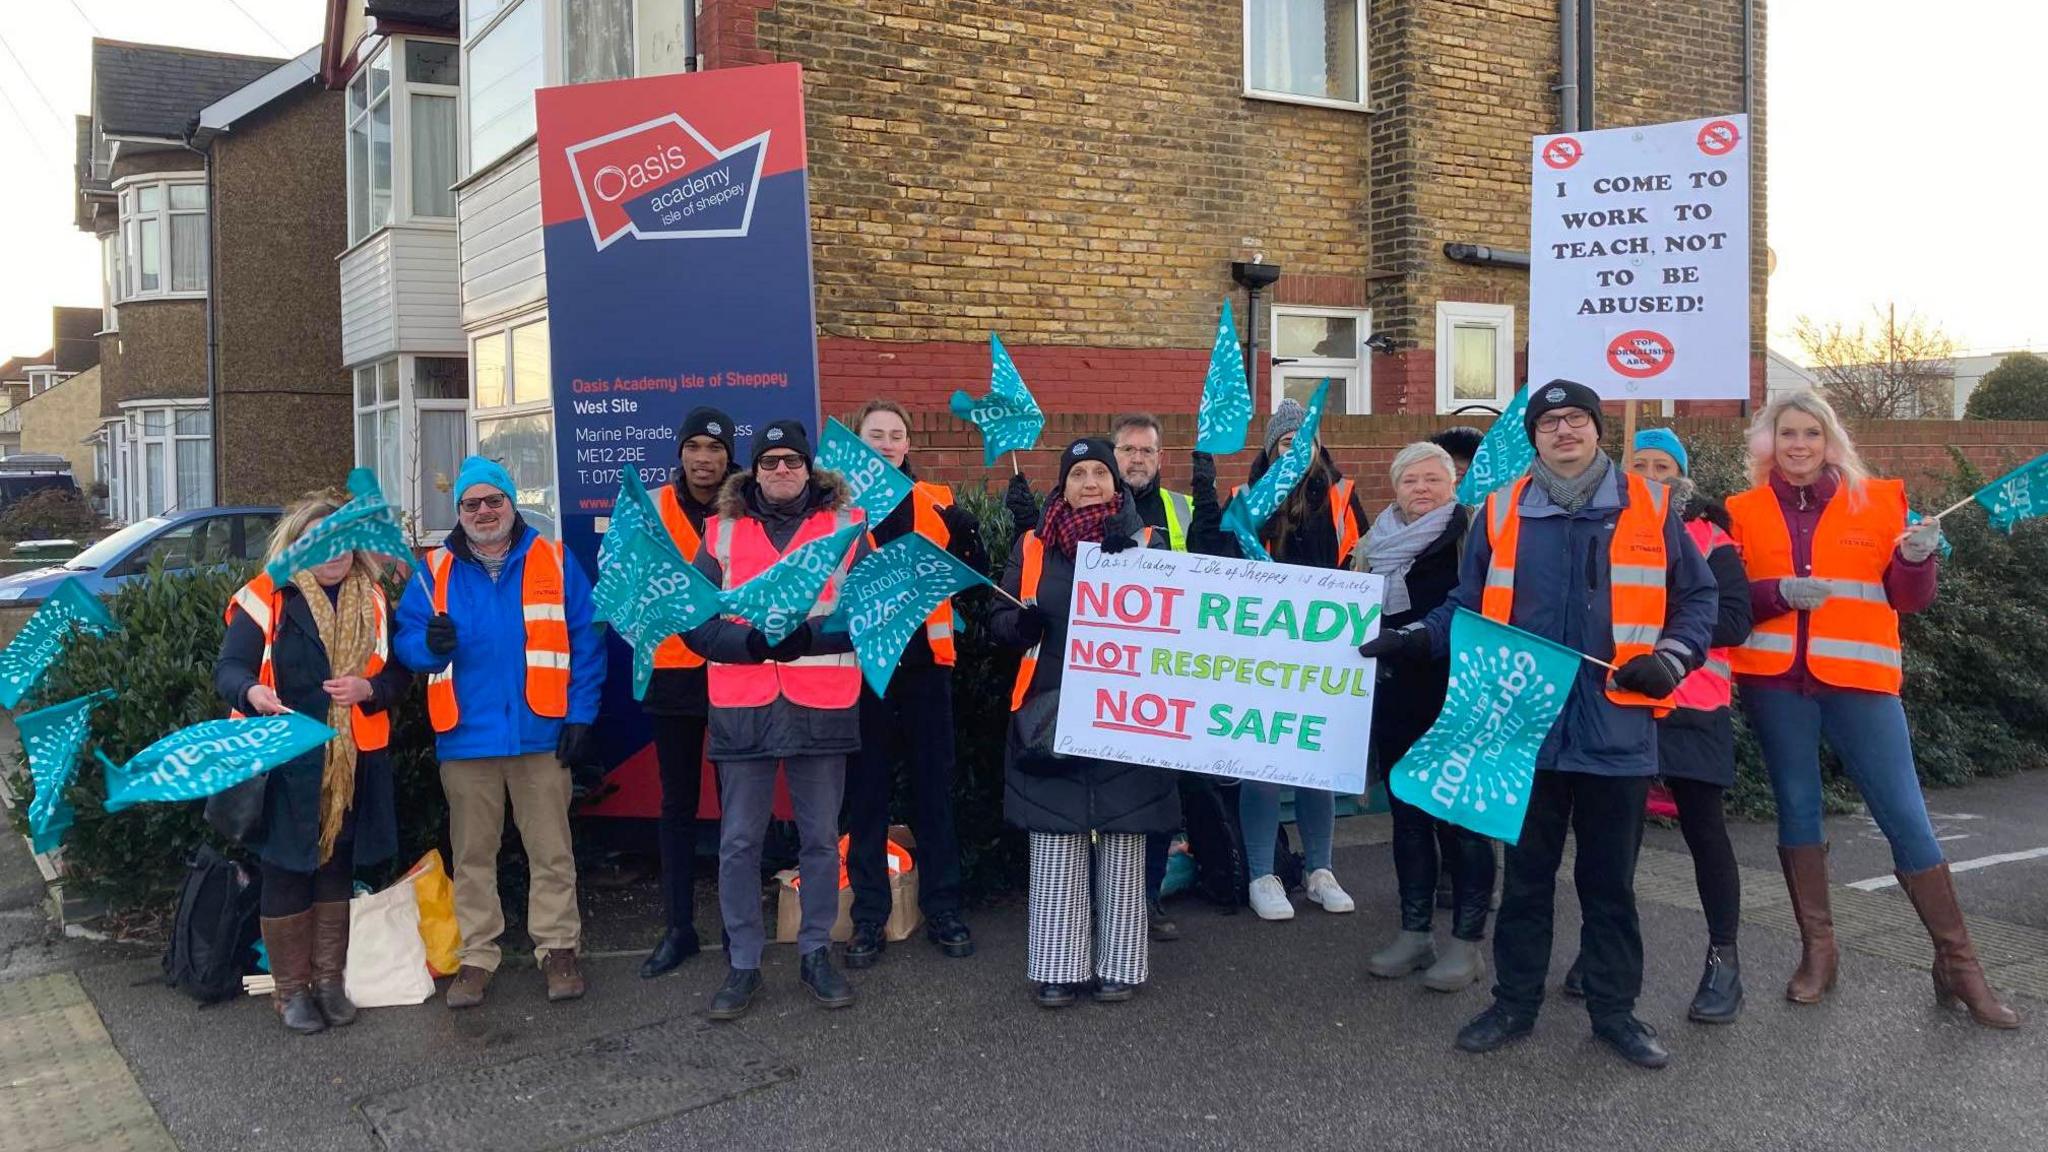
{"x": 828, "y": 490}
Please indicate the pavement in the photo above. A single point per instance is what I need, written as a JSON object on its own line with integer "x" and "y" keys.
{"x": 1249, "y": 1034}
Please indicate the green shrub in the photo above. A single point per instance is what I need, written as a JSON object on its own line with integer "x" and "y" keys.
{"x": 48, "y": 514}
{"x": 2015, "y": 390}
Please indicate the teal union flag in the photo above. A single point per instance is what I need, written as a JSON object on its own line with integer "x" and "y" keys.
{"x": 1009, "y": 418}
{"x": 1249, "y": 510}
{"x": 874, "y": 485}
{"x": 365, "y": 524}
{"x": 888, "y": 595}
{"x": 2021, "y": 494}
{"x": 648, "y": 594}
{"x": 42, "y": 639}
{"x": 1226, "y": 396}
{"x": 52, "y": 737}
{"x": 196, "y": 762}
{"x": 776, "y": 601}
{"x": 1503, "y": 455}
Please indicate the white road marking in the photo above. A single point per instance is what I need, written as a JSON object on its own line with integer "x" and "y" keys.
{"x": 1877, "y": 882}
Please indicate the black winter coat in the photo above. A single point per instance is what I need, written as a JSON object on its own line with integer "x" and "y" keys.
{"x": 681, "y": 691}
{"x": 1409, "y": 696}
{"x": 1085, "y": 794}
{"x": 1693, "y": 745}
{"x": 290, "y": 838}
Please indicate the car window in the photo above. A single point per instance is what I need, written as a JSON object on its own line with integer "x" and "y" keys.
{"x": 256, "y": 534}
{"x": 174, "y": 550}
{"x": 114, "y": 547}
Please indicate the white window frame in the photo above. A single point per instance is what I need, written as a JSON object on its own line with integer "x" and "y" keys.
{"x": 1453, "y": 314}
{"x": 135, "y": 454}
{"x": 412, "y": 488}
{"x": 1355, "y": 372}
{"x": 111, "y": 273}
{"x": 358, "y": 180}
{"x": 1256, "y": 93}
{"x": 480, "y": 415}
{"x": 128, "y": 195}
{"x": 398, "y": 97}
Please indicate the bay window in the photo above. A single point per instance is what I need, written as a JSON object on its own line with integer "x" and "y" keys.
{"x": 159, "y": 458}
{"x": 412, "y": 430}
{"x": 162, "y": 249}
{"x": 515, "y": 423}
{"x": 110, "y": 281}
{"x": 505, "y": 64}
{"x": 401, "y": 136}
{"x": 369, "y": 148}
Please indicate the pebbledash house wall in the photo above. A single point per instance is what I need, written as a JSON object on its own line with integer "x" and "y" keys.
{"x": 1080, "y": 179}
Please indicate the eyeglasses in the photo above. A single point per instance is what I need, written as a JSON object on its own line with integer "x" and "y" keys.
{"x": 789, "y": 463}
{"x": 1572, "y": 418}
{"x": 494, "y": 501}
{"x": 1139, "y": 451}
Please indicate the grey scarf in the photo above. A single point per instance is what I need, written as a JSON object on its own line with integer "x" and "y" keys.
{"x": 1393, "y": 544}
{"x": 1571, "y": 495}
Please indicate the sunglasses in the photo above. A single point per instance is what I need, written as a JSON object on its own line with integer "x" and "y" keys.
{"x": 494, "y": 502}
{"x": 789, "y": 463}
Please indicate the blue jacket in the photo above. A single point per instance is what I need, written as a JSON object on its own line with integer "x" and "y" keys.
{"x": 1561, "y": 594}
{"x": 490, "y": 652}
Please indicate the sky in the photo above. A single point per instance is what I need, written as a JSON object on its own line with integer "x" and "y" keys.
{"x": 1906, "y": 158}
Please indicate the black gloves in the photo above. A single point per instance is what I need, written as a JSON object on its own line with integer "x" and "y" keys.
{"x": 1410, "y": 644}
{"x": 963, "y": 537}
{"x": 959, "y": 522}
{"x": 1023, "y": 509}
{"x": 1653, "y": 674}
{"x": 1205, "y": 470}
{"x": 1317, "y": 485}
{"x": 572, "y": 747}
{"x": 1030, "y": 624}
{"x": 794, "y": 646}
{"x": 441, "y": 634}
{"x": 1115, "y": 542}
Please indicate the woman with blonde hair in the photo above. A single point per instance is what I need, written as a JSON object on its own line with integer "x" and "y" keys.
{"x": 1831, "y": 564}
{"x": 319, "y": 644}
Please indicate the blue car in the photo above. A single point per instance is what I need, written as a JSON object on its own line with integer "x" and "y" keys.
{"x": 203, "y": 537}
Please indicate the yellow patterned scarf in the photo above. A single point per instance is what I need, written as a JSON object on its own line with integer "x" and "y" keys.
{"x": 348, "y": 630}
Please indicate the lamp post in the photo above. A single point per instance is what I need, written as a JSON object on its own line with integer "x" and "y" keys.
{"x": 1253, "y": 276}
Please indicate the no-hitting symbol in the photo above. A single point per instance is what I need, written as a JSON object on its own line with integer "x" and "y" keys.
{"x": 1719, "y": 137}
{"x": 1563, "y": 152}
{"x": 1640, "y": 354}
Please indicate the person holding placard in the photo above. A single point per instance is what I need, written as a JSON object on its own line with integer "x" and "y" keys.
{"x": 1832, "y": 563}
{"x": 918, "y": 711}
{"x": 1593, "y": 558}
{"x": 1316, "y": 526}
{"x": 676, "y": 696}
{"x": 1416, "y": 545}
{"x": 319, "y": 645}
{"x": 1082, "y": 815}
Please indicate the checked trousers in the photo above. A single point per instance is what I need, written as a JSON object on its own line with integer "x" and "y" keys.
{"x": 1074, "y": 937}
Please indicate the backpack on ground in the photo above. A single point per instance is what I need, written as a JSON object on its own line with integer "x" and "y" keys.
{"x": 213, "y": 939}
{"x": 1215, "y": 842}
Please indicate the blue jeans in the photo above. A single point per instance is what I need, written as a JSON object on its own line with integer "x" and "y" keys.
{"x": 1258, "y": 812}
{"x": 1867, "y": 730}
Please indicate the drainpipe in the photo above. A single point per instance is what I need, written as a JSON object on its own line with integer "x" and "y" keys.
{"x": 690, "y": 37}
{"x": 1568, "y": 65}
{"x": 1587, "y": 18}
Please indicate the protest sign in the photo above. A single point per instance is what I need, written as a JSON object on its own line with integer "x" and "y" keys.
{"x": 888, "y": 596}
{"x": 1503, "y": 455}
{"x": 1249, "y": 509}
{"x": 1009, "y": 417}
{"x": 1224, "y": 667}
{"x": 2021, "y": 494}
{"x": 778, "y": 599}
{"x": 1476, "y": 764}
{"x": 1226, "y": 396}
{"x": 41, "y": 640}
{"x": 52, "y": 738}
{"x": 647, "y": 594}
{"x": 367, "y": 523}
{"x": 1639, "y": 270}
{"x": 211, "y": 757}
{"x": 873, "y": 485}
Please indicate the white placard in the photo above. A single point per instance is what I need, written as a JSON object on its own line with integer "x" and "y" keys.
{"x": 1225, "y": 667}
{"x": 1639, "y": 260}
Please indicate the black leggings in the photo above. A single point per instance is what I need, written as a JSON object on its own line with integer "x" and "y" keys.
{"x": 1713, "y": 858}
{"x": 287, "y": 893}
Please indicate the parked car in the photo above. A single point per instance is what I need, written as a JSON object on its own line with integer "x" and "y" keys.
{"x": 206, "y": 537}
{"x": 26, "y": 472}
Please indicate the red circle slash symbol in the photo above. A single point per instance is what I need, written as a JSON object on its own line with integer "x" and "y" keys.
{"x": 1719, "y": 138}
{"x": 1640, "y": 354}
{"x": 1562, "y": 152}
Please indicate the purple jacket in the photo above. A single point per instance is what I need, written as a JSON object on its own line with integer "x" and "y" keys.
{"x": 1909, "y": 587}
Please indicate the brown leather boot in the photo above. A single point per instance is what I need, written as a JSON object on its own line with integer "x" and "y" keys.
{"x": 330, "y": 957}
{"x": 565, "y": 980}
{"x": 1957, "y": 974}
{"x": 289, "y": 941}
{"x": 1806, "y": 878}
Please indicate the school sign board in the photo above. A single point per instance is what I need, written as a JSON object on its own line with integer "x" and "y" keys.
{"x": 1639, "y": 260}
{"x": 1234, "y": 668}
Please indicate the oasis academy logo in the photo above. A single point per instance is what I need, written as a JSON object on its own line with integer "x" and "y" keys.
{"x": 662, "y": 180}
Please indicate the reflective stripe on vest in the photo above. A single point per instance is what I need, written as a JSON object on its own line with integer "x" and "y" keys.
{"x": 262, "y": 602}
{"x": 1708, "y": 689}
{"x": 1180, "y": 511}
{"x": 542, "y": 608}
{"x": 672, "y": 652}
{"x": 744, "y": 551}
{"x": 925, "y": 500}
{"x": 1636, "y": 564}
{"x": 1027, "y": 592}
{"x": 1852, "y": 640}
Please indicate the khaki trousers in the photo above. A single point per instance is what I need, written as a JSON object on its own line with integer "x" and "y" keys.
{"x": 539, "y": 788}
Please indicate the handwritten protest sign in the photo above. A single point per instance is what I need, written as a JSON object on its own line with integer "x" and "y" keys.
{"x": 1639, "y": 260}
{"x": 1225, "y": 667}
{"x": 873, "y": 485}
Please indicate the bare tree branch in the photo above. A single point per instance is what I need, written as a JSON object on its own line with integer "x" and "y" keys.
{"x": 1892, "y": 370}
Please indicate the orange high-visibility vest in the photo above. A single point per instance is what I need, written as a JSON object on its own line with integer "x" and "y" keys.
{"x": 673, "y": 653}
{"x": 1027, "y": 593}
{"x": 1852, "y": 641}
{"x": 926, "y": 500}
{"x": 1636, "y": 572}
{"x": 543, "y": 604}
{"x": 263, "y": 603}
{"x": 899, "y": 862}
{"x": 1342, "y": 521}
{"x": 744, "y": 552}
{"x": 1708, "y": 688}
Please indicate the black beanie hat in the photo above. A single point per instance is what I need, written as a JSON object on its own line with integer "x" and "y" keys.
{"x": 705, "y": 422}
{"x": 1089, "y": 448}
{"x": 1560, "y": 394}
{"x": 788, "y": 434}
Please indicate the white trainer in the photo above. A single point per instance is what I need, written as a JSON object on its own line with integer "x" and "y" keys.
{"x": 1269, "y": 899}
{"x": 1323, "y": 889}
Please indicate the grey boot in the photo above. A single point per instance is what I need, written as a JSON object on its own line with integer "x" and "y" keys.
{"x": 1462, "y": 965}
{"x": 1409, "y": 952}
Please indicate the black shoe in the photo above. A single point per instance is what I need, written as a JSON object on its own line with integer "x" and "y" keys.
{"x": 1634, "y": 1040}
{"x": 1054, "y": 995}
{"x": 731, "y": 1000}
{"x": 1575, "y": 980}
{"x": 1158, "y": 926}
{"x": 301, "y": 1013}
{"x": 1494, "y": 1028}
{"x": 864, "y": 947}
{"x": 1719, "y": 999}
{"x": 827, "y": 983}
{"x": 676, "y": 945}
{"x": 1112, "y": 991}
{"x": 946, "y": 932}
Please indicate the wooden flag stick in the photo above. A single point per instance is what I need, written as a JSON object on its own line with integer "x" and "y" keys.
{"x": 998, "y": 590}
{"x": 1014, "y": 470}
{"x": 1967, "y": 500}
{"x": 1599, "y": 661}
